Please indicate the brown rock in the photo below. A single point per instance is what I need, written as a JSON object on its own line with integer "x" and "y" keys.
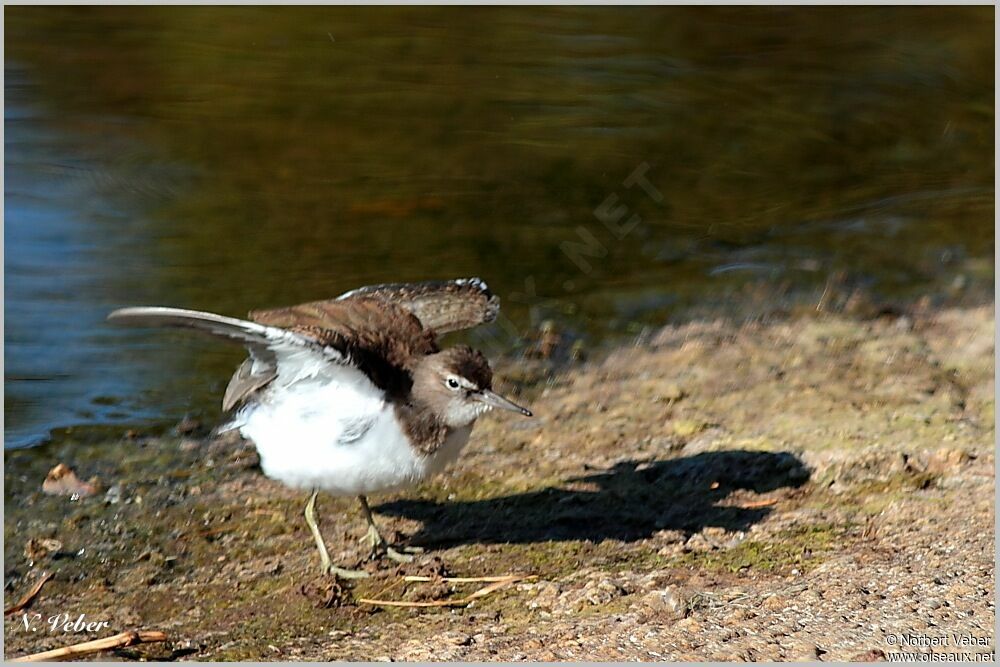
{"x": 774, "y": 602}
{"x": 188, "y": 425}
{"x": 738, "y": 616}
{"x": 960, "y": 590}
{"x": 38, "y": 548}
{"x": 804, "y": 652}
{"x": 672, "y": 392}
{"x": 698, "y": 542}
{"x": 689, "y": 625}
{"x": 546, "y": 596}
{"x": 946, "y": 459}
{"x": 326, "y": 593}
{"x": 670, "y": 601}
{"x": 62, "y": 481}
{"x": 455, "y": 638}
{"x": 601, "y": 591}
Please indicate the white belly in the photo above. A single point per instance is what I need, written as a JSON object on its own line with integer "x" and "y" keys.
{"x": 341, "y": 437}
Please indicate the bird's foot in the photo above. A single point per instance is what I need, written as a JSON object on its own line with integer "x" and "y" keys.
{"x": 398, "y": 556}
{"x": 379, "y": 547}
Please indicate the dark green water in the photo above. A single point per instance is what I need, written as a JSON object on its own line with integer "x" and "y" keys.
{"x": 231, "y": 158}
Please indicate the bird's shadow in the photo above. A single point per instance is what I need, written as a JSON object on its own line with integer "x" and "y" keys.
{"x": 630, "y": 501}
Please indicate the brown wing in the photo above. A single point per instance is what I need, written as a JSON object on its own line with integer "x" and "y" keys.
{"x": 440, "y": 305}
{"x": 383, "y": 339}
{"x": 384, "y": 328}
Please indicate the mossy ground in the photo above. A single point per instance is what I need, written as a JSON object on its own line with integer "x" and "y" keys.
{"x": 742, "y": 467}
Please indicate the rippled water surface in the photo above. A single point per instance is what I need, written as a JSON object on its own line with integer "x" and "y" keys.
{"x": 600, "y": 167}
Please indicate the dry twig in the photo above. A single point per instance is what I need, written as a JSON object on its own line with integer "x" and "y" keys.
{"x": 497, "y": 583}
{"x": 467, "y": 580}
{"x": 29, "y": 597}
{"x": 758, "y": 503}
{"x": 120, "y": 640}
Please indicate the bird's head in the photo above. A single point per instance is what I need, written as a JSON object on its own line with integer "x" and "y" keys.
{"x": 457, "y": 385}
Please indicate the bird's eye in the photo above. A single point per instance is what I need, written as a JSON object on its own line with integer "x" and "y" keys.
{"x": 452, "y": 383}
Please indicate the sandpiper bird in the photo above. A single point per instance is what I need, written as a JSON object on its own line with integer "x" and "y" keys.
{"x": 353, "y": 395}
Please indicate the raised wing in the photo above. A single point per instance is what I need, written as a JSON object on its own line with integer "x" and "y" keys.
{"x": 265, "y": 341}
{"x": 385, "y": 340}
{"x": 295, "y": 355}
{"x": 380, "y": 330}
{"x": 440, "y": 305}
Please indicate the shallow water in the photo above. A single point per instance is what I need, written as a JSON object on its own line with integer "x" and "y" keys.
{"x": 232, "y": 158}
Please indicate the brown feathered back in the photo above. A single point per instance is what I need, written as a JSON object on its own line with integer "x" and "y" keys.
{"x": 383, "y": 339}
{"x": 384, "y": 329}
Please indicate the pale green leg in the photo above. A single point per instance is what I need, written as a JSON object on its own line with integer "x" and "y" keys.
{"x": 324, "y": 555}
{"x": 378, "y": 543}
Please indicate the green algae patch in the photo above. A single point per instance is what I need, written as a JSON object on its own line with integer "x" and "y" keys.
{"x": 800, "y": 548}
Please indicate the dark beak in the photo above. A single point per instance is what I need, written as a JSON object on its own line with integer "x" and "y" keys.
{"x": 497, "y": 401}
